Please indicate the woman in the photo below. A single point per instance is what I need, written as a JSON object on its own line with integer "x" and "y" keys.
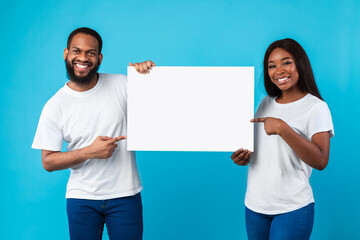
{"x": 293, "y": 127}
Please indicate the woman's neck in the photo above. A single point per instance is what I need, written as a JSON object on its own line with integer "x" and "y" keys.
{"x": 288, "y": 97}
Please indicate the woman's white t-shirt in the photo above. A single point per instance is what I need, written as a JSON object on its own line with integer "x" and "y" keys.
{"x": 278, "y": 180}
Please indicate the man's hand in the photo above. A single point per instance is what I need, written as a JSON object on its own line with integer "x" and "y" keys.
{"x": 143, "y": 67}
{"x": 241, "y": 157}
{"x": 272, "y": 126}
{"x": 102, "y": 147}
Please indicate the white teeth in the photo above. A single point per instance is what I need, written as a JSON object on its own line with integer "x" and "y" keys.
{"x": 282, "y": 79}
{"x": 81, "y": 66}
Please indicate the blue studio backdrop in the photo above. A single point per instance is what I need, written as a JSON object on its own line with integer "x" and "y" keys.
{"x": 187, "y": 195}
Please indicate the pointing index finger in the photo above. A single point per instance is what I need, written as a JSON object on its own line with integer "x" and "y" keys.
{"x": 258, "y": 120}
{"x": 119, "y": 138}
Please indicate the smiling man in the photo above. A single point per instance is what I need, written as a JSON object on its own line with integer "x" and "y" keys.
{"x": 89, "y": 113}
{"x": 85, "y": 62}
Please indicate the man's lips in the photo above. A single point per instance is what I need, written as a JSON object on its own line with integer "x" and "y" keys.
{"x": 82, "y": 67}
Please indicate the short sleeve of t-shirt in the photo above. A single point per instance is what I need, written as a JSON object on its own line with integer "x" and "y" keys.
{"x": 320, "y": 120}
{"x": 260, "y": 108}
{"x": 48, "y": 134}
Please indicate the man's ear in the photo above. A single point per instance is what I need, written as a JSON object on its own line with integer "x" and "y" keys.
{"x": 66, "y": 51}
{"x": 100, "y": 58}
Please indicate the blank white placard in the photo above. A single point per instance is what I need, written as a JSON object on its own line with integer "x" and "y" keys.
{"x": 191, "y": 109}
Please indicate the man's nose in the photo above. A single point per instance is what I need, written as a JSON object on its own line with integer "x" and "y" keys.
{"x": 82, "y": 56}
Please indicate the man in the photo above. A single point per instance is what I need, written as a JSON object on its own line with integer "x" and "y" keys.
{"x": 89, "y": 113}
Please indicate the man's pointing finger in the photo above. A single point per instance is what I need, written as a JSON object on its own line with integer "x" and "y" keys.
{"x": 119, "y": 138}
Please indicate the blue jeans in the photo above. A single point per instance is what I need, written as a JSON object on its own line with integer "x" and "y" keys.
{"x": 294, "y": 225}
{"x": 122, "y": 216}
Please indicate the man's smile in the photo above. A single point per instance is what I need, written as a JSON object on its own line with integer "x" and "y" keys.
{"x": 82, "y": 67}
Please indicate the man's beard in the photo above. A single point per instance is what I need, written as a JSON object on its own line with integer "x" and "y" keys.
{"x": 80, "y": 80}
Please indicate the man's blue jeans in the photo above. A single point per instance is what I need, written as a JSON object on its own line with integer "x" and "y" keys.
{"x": 122, "y": 216}
{"x": 294, "y": 225}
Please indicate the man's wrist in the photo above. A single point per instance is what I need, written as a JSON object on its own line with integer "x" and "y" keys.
{"x": 84, "y": 154}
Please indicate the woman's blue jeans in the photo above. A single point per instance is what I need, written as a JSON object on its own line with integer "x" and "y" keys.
{"x": 122, "y": 216}
{"x": 294, "y": 225}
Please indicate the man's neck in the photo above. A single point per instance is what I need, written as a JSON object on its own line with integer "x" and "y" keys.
{"x": 83, "y": 87}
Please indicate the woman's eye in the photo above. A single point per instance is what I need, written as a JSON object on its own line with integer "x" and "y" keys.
{"x": 287, "y": 63}
{"x": 271, "y": 66}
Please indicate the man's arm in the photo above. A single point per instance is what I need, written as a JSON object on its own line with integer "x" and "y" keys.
{"x": 101, "y": 148}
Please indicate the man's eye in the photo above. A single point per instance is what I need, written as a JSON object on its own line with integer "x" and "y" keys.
{"x": 76, "y": 51}
{"x": 91, "y": 53}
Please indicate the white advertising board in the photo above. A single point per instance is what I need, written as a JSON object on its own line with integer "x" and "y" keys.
{"x": 191, "y": 109}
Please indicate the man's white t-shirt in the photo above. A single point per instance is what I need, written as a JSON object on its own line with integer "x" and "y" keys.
{"x": 278, "y": 180}
{"x": 80, "y": 117}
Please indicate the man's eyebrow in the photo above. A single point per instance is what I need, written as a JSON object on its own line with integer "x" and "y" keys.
{"x": 89, "y": 50}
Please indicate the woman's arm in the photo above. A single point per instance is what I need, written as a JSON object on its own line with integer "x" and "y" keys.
{"x": 314, "y": 153}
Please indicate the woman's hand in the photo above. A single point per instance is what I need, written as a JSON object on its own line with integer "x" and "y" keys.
{"x": 271, "y": 125}
{"x": 241, "y": 157}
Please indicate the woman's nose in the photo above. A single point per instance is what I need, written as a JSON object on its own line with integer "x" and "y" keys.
{"x": 279, "y": 71}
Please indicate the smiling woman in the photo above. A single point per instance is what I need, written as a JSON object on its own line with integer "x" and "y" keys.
{"x": 293, "y": 127}
{"x": 284, "y": 74}
{"x": 288, "y": 57}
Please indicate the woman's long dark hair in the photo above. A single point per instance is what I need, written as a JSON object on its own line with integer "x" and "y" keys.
{"x": 306, "y": 81}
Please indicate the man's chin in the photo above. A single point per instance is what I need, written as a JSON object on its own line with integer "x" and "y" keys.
{"x": 82, "y": 75}
{"x": 82, "y": 78}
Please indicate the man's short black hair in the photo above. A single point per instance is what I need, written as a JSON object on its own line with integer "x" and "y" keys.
{"x": 88, "y": 31}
